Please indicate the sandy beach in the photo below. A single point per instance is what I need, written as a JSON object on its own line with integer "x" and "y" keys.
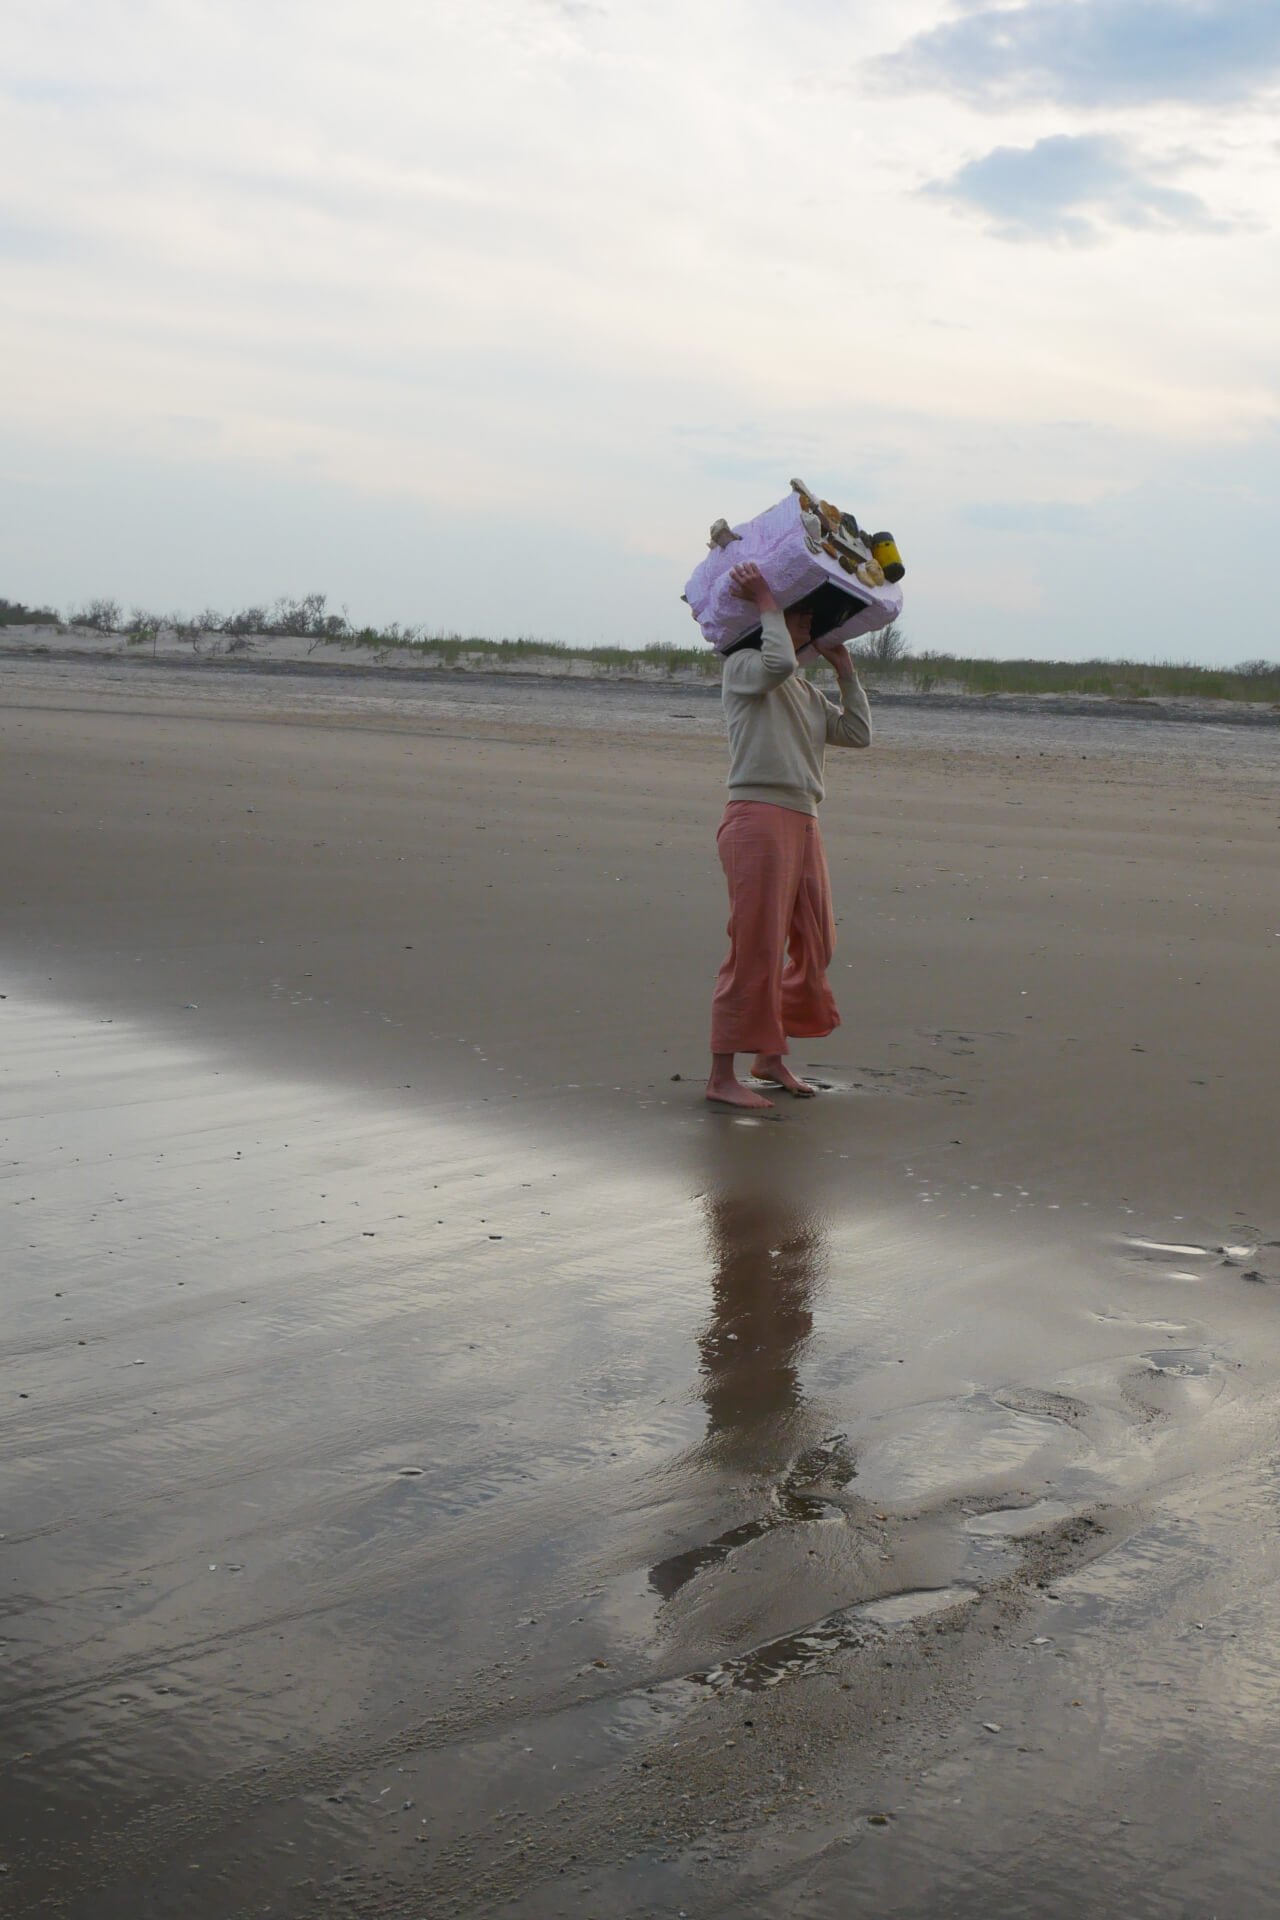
{"x": 448, "y": 1469}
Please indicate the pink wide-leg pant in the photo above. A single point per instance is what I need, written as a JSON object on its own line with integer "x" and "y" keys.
{"x": 782, "y": 931}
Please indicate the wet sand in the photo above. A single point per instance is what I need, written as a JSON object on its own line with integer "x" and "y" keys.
{"x": 447, "y": 1469}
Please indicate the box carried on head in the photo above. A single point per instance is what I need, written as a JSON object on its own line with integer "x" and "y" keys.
{"x": 809, "y": 552}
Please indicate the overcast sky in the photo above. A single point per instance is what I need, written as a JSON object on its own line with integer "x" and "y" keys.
{"x": 477, "y": 314}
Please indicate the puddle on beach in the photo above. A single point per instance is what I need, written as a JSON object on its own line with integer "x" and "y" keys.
{"x": 371, "y": 1472}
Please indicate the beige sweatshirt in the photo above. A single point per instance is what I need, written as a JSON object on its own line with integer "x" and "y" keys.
{"x": 780, "y": 726}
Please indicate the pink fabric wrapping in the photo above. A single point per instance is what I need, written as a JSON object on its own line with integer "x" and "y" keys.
{"x": 776, "y": 542}
{"x": 782, "y": 931}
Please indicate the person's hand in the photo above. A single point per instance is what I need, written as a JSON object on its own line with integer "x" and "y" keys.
{"x": 837, "y": 654}
{"x": 750, "y": 583}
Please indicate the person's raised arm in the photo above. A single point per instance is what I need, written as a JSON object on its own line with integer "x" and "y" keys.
{"x": 849, "y": 724}
{"x": 776, "y": 661}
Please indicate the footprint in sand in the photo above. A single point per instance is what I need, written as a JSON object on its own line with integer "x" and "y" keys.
{"x": 1042, "y": 1404}
{"x": 1257, "y": 1261}
{"x": 803, "y": 1495}
{"x": 961, "y": 1045}
{"x": 1175, "y": 1383}
{"x": 793, "y": 1654}
{"x": 1177, "y": 1260}
{"x": 971, "y": 1445}
{"x": 901, "y": 1082}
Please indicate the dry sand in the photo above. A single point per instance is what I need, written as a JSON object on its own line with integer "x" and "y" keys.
{"x": 450, "y": 1470}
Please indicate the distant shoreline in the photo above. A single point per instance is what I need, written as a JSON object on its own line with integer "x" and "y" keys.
{"x": 332, "y": 661}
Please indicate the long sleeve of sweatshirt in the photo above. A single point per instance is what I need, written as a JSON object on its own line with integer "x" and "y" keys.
{"x": 760, "y": 673}
{"x": 849, "y": 724}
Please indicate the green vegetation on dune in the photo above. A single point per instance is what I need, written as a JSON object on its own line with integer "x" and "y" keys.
{"x": 455, "y": 648}
{"x": 1104, "y": 679}
{"x": 886, "y": 659}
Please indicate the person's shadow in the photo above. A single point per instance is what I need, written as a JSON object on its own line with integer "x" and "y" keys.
{"x": 766, "y": 1236}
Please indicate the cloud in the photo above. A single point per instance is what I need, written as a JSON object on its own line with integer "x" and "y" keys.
{"x": 1102, "y": 52}
{"x": 1070, "y": 187}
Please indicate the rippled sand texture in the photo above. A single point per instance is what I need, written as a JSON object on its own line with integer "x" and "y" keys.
{"x": 446, "y": 1468}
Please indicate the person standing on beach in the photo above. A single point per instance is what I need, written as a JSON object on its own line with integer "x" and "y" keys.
{"x": 782, "y": 933}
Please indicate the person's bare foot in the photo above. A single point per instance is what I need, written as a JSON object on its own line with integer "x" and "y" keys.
{"x": 728, "y": 1091}
{"x": 772, "y": 1066}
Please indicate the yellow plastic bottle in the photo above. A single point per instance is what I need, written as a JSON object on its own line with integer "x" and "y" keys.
{"x": 884, "y": 550}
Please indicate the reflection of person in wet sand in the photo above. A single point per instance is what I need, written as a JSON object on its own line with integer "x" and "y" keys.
{"x": 781, "y": 925}
{"x": 767, "y": 1253}
{"x": 764, "y": 1250}
{"x": 764, "y": 1253}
